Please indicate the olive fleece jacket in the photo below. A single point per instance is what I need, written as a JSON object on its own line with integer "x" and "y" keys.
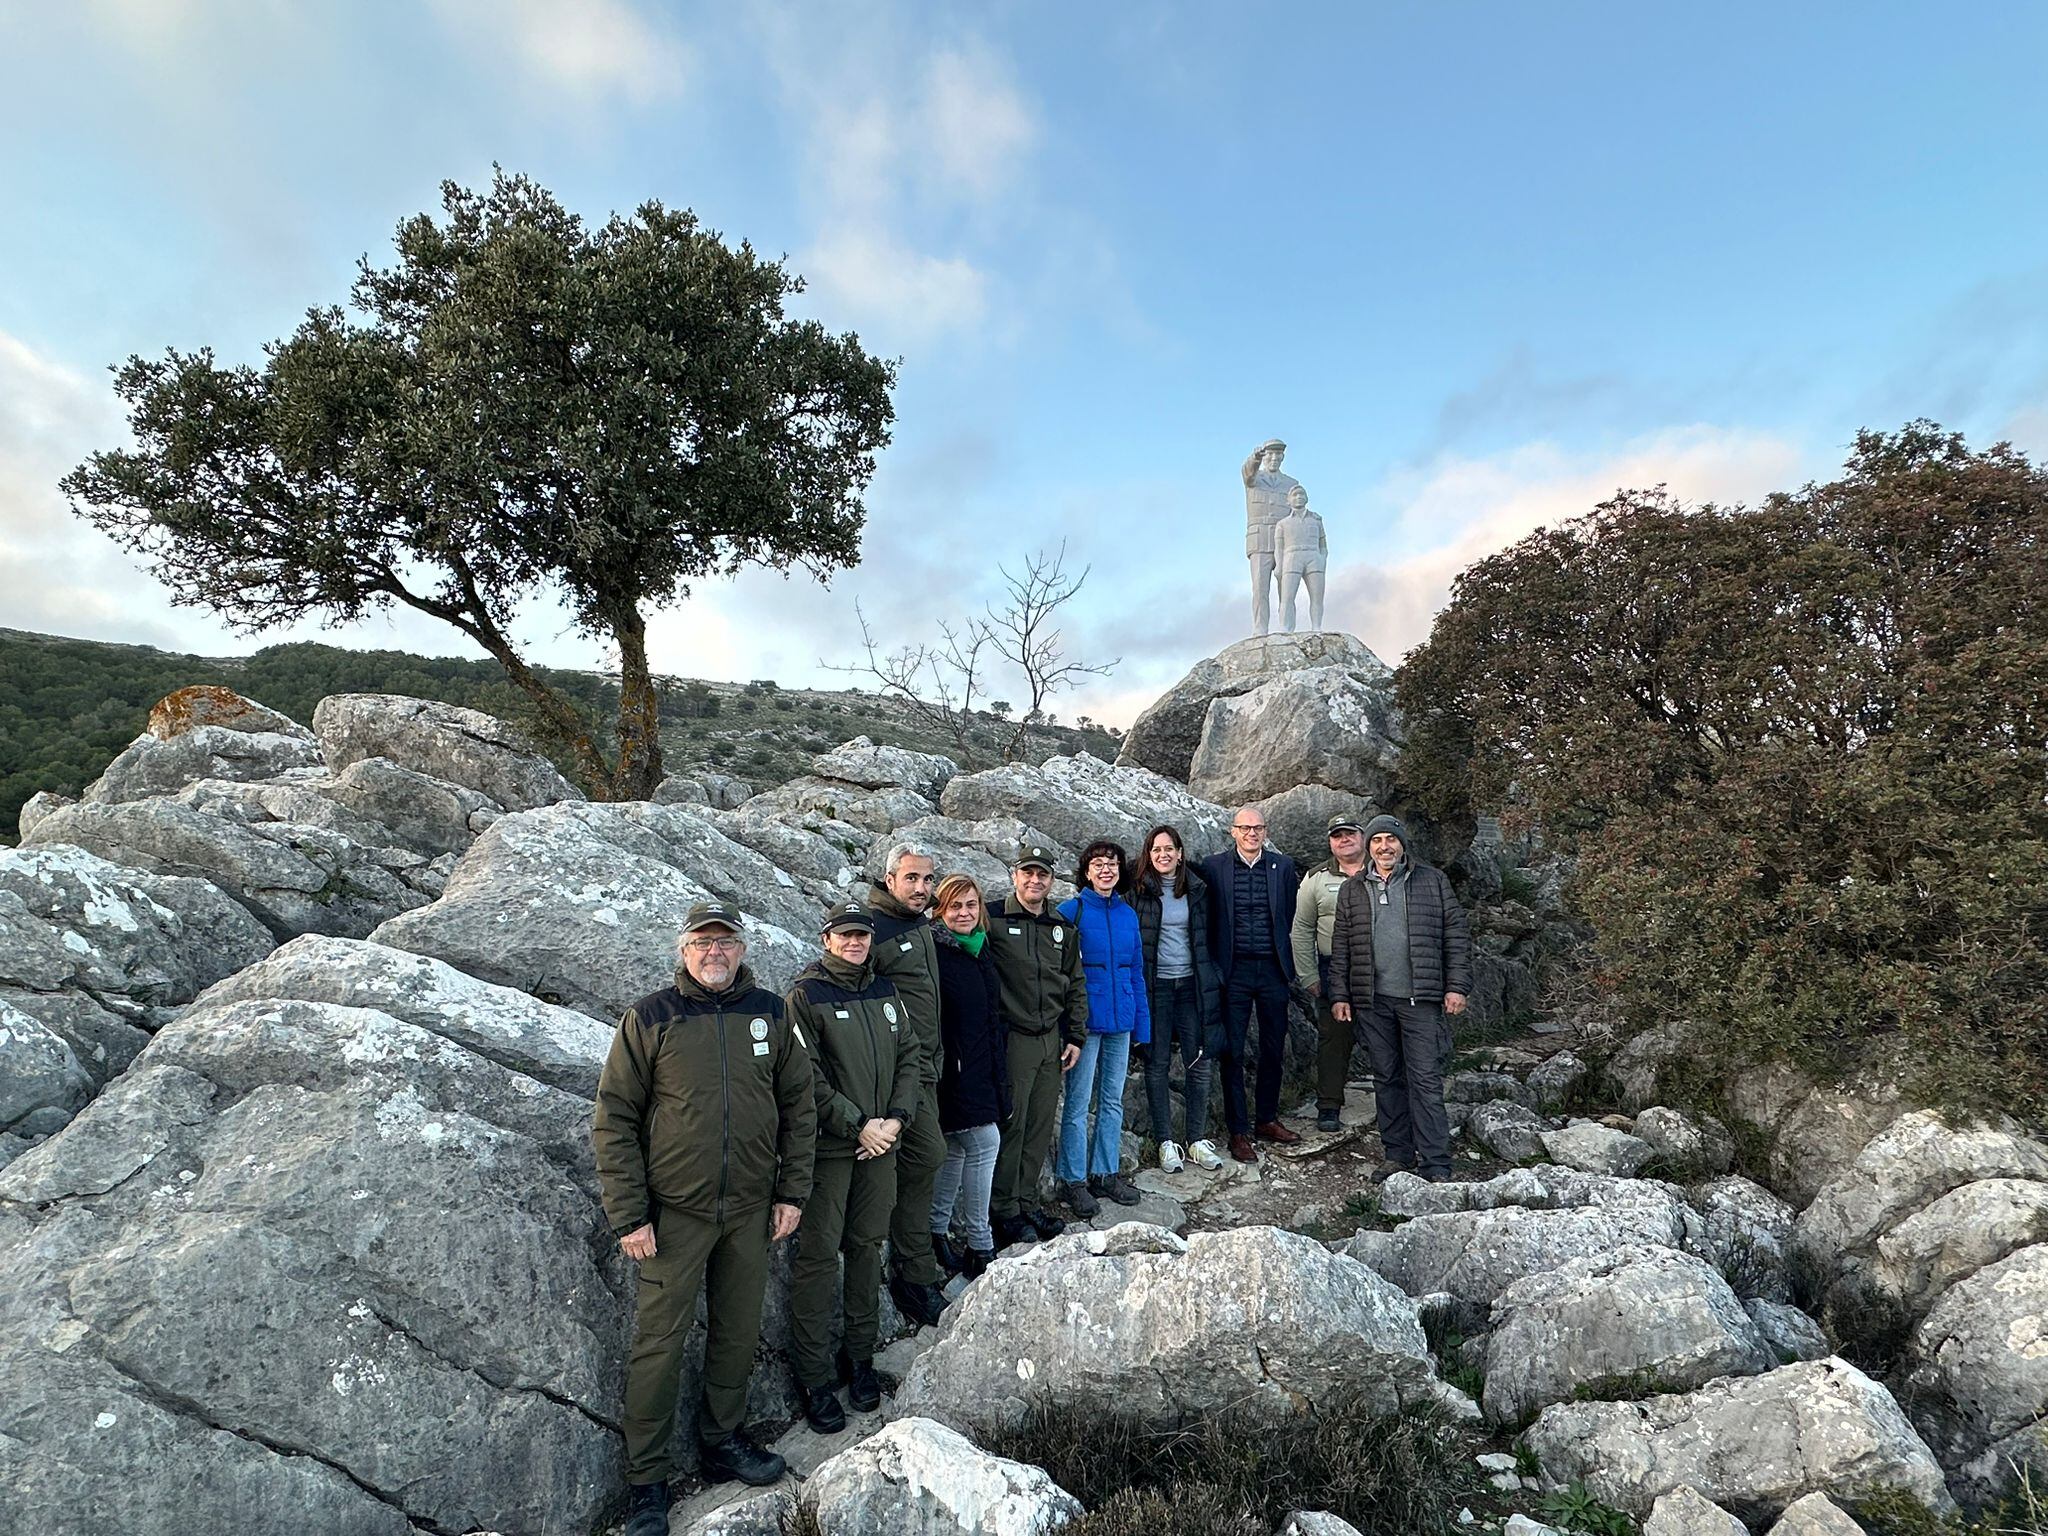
{"x": 1038, "y": 962}
{"x": 863, "y": 1058}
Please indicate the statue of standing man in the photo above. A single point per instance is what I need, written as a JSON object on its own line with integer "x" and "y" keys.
{"x": 1265, "y": 503}
{"x": 1301, "y": 550}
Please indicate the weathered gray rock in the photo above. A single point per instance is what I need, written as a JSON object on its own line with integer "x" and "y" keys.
{"x": 1135, "y": 1319}
{"x": 677, "y": 789}
{"x": 1593, "y": 1148}
{"x": 821, "y": 866}
{"x": 1822, "y": 1134}
{"x": 149, "y": 766}
{"x": 872, "y": 810}
{"x": 1076, "y": 799}
{"x": 920, "y": 1478}
{"x": 1639, "y": 1063}
{"x": 1317, "y": 1522}
{"x": 342, "y": 1272}
{"x": 1166, "y": 737}
{"x": 1483, "y": 1087}
{"x": 1787, "y": 1332}
{"x": 38, "y": 1072}
{"x": 1677, "y": 1140}
{"x": 1508, "y": 1130}
{"x": 294, "y": 877}
{"x": 39, "y": 805}
{"x": 1979, "y": 1385}
{"x": 727, "y": 793}
{"x": 1688, "y": 1512}
{"x": 1955, "y": 1235}
{"x": 1622, "y": 1321}
{"x": 1751, "y": 1444}
{"x": 420, "y": 812}
{"x": 1298, "y": 821}
{"x": 1748, "y": 1229}
{"x": 580, "y": 904}
{"x": 444, "y": 741}
{"x": 208, "y": 704}
{"x": 860, "y": 761}
{"x": 1555, "y": 1081}
{"x": 738, "y": 1511}
{"x": 1320, "y": 725}
{"x": 1815, "y": 1515}
{"x": 980, "y": 849}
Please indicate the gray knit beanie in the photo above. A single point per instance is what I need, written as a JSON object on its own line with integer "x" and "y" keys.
{"x": 1386, "y": 824}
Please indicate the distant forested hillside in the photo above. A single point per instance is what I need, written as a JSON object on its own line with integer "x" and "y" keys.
{"x": 68, "y": 706}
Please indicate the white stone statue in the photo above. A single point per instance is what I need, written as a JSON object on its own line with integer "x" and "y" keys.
{"x": 1265, "y": 504}
{"x": 1302, "y": 552}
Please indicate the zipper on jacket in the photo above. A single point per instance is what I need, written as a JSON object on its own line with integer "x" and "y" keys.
{"x": 725, "y": 1094}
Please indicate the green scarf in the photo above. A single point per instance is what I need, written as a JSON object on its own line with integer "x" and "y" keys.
{"x": 972, "y": 942}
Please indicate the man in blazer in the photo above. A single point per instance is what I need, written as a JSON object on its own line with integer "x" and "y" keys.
{"x": 1251, "y": 911}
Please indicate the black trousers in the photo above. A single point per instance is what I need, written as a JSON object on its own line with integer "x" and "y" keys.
{"x": 1255, "y": 986}
{"x": 1410, "y": 1042}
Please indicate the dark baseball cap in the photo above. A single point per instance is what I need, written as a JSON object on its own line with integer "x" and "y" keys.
{"x": 848, "y": 917}
{"x": 1031, "y": 856}
{"x": 1344, "y": 822}
{"x": 713, "y": 914}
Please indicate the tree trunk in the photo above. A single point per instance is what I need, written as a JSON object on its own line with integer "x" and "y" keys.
{"x": 639, "y": 768}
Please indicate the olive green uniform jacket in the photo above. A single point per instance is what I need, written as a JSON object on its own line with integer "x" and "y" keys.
{"x": 903, "y": 953}
{"x": 864, "y": 1059}
{"x": 704, "y": 1105}
{"x": 1038, "y": 962}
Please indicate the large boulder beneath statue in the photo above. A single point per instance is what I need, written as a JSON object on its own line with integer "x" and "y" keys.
{"x": 341, "y": 1270}
{"x": 1979, "y": 1382}
{"x": 1136, "y": 1321}
{"x": 1323, "y": 725}
{"x": 1751, "y": 1444}
{"x": 580, "y": 904}
{"x": 919, "y": 1478}
{"x": 1614, "y": 1322}
{"x": 1074, "y": 800}
{"x": 444, "y": 741}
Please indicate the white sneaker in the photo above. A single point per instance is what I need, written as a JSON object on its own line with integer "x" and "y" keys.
{"x": 1170, "y": 1160}
{"x": 1206, "y": 1156}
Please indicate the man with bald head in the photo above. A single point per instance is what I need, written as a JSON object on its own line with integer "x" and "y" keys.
{"x": 1251, "y": 916}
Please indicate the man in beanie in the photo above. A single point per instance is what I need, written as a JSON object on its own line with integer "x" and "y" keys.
{"x": 1400, "y": 968}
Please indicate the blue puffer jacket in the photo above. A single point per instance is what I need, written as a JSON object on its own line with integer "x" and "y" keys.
{"x": 1113, "y": 958}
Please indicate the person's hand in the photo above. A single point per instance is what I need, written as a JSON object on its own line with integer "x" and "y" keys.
{"x": 638, "y": 1244}
{"x": 783, "y": 1221}
{"x": 1069, "y": 1054}
{"x": 877, "y": 1137}
{"x": 1341, "y": 1012}
{"x": 1454, "y": 1002}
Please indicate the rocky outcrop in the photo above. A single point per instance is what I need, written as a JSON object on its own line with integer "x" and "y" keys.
{"x": 1320, "y": 725}
{"x": 1677, "y": 1141}
{"x": 1632, "y": 1318}
{"x": 1510, "y": 1131}
{"x": 150, "y": 765}
{"x": 443, "y": 741}
{"x": 1979, "y": 1387}
{"x": 580, "y": 904}
{"x": 1595, "y": 1148}
{"x": 871, "y": 810}
{"x": 920, "y": 1478}
{"x": 1137, "y": 1321}
{"x": 1076, "y": 799}
{"x": 1687, "y": 1512}
{"x": 1815, "y": 1515}
{"x": 1748, "y": 1229}
{"x": 1751, "y": 1444}
{"x": 209, "y": 705}
{"x": 860, "y": 761}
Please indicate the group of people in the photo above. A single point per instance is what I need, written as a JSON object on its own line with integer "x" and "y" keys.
{"x": 910, "y": 1084}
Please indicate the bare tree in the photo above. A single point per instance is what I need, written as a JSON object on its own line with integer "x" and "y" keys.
{"x": 940, "y": 681}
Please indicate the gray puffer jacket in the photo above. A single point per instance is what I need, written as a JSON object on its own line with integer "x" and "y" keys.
{"x": 1439, "y": 942}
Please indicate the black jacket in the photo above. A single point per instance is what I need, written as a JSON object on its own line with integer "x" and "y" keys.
{"x": 1439, "y": 942}
{"x": 974, "y": 1069}
{"x": 1282, "y": 882}
{"x": 1144, "y": 899}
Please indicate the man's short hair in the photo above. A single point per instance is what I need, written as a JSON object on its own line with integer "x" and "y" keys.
{"x": 898, "y": 852}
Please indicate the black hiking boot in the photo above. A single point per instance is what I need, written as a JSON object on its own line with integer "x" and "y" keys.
{"x": 1082, "y": 1200}
{"x": 977, "y": 1262}
{"x": 647, "y": 1509}
{"x": 920, "y": 1304}
{"x": 737, "y": 1457}
{"x": 863, "y": 1386}
{"x": 821, "y": 1407}
{"x": 1045, "y": 1224}
{"x": 946, "y": 1253}
{"x": 1114, "y": 1186}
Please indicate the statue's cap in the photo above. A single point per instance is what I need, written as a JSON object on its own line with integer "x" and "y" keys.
{"x": 1271, "y": 442}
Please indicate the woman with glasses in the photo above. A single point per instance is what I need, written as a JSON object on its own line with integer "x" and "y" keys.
{"x": 1113, "y": 962}
{"x": 1184, "y": 991}
{"x": 974, "y": 1077}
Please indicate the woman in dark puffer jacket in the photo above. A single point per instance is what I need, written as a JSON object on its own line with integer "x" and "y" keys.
{"x": 974, "y": 1077}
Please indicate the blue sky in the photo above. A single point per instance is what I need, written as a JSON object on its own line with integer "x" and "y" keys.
{"x": 1480, "y": 265}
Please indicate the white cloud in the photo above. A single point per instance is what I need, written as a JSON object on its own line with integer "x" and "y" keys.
{"x": 867, "y": 268}
{"x": 974, "y": 129}
{"x": 586, "y": 49}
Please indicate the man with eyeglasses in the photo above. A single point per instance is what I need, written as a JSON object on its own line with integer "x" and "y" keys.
{"x": 1251, "y": 918}
{"x": 704, "y": 1135}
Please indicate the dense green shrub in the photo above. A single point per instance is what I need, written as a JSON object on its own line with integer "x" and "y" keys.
{"x": 1799, "y": 751}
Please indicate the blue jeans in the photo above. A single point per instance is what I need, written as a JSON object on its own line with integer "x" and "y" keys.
{"x": 1099, "y": 1076}
{"x": 963, "y": 1185}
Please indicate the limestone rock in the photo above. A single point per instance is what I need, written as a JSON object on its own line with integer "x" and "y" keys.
{"x": 860, "y": 761}
{"x": 150, "y": 765}
{"x": 1555, "y": 1081}
{"x": 1593, "y": 1148}
{"x": 1636, "y": 1066}
{"x": 726, "y": 792}
{"x": 819, "y": 865}
{"x": 39, "y": 805}
{"x": 1508, "y": 1130}
{"x": 420, "y": 812}
{"x": 679, "y": 790}
{"x": 444, "y": 741}
{"x": 1140, "y": 1321}
{"x": 1630, "y": 1317}
{"x": 872, "y": 810}
{"x": 580, "y": 904}
{"x": 1687, "y": 1512}
{"x": 737, "y": 1510}
{"x": 1815, "y": 1515}
{"x": 1787, "y": 1332}
{"x": 1955, "y": 1235}
{"x": 1298, "y": 821}
{"x": 1320, "y": 725}
{"x": 1317, "y": 1522}
{"x": 1823, "y": 1134}
{"x": 38, "y": 1072}
{"x": 1979, "y": 1384}
{"x": 1076, "y": 799}
{"x": 1678, "y": 1140}
{"x": 1167, "y": 735}
{"x": 920, "y": 1478}
{"x": 1748, "y": 1228}
{"x": 208, "y": 704}
{"x": 1751, "y": 1444}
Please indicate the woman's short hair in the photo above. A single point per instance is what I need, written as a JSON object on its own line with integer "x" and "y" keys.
{"x": 951, "y": 889}
{"x": 1102, "y": 845}
{"x": 1146, "y": 875}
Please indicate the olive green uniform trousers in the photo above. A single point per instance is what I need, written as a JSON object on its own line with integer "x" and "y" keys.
{"x": 1027, "y": 1134}
{"x": 728, "y": 1261}
{"x": 848, "y": 1213}
{"x": 920, "y": 1154}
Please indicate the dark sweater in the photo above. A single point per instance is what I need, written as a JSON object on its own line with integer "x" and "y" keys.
{"x": 974, "y": 1070}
